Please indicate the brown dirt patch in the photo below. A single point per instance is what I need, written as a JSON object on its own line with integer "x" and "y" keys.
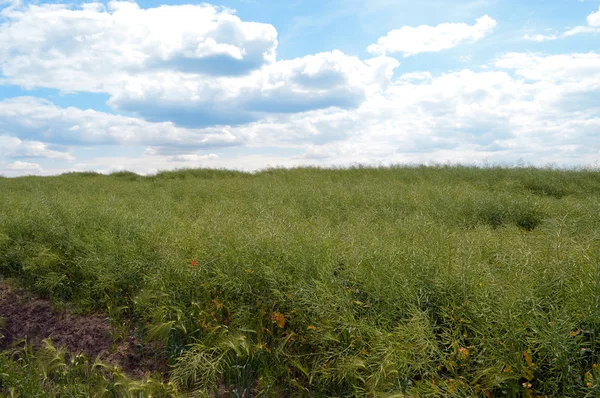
{"x": 35, "y": 319}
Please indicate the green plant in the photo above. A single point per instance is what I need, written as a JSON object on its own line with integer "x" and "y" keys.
{"x": 422, "y": 281}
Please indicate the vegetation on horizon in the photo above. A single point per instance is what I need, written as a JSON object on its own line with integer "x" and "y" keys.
{"x": 400, "y": 281}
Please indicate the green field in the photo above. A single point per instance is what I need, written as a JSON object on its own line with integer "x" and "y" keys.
{"x": 402, "y": 281}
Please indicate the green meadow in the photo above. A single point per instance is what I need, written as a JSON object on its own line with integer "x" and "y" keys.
{"x": 368, "y": 282}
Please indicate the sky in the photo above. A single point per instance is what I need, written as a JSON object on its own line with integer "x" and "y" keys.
{"x": 251, "y": 84}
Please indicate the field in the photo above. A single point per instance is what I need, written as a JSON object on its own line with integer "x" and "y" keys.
{"x": 401, "y": 281}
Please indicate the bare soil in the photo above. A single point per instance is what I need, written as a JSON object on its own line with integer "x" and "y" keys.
{"x": 35, "y": 319}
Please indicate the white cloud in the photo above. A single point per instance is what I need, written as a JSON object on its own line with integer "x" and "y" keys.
{"x": 540, "y": 38}
{"x": 196, "y": 66}
{"x": 23, "y": 166}
{"x": 19, "y": 168}
{"x": 96, "y": 47}
{"x": 562, "y": 67}
{"x": 328, "y": 108}
{"x": 416, "y": 76}
{"x": 593, "y": 26}
{"x": 593, "y": 19}
{"x": 414, "y": 40}
{"x": 541, "y": 108}
{"x": 318, "y": 81}
{"x": 195, "y": 158}
{"x": 459, "y": 116}
{"x": 578, "y": 30}
{"x": 13, "y": 147}
{"x": 33, "y": 119}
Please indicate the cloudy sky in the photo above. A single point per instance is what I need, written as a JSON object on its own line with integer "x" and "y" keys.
{"x": 250, "y": 84}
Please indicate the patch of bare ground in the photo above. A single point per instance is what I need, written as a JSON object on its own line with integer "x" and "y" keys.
{"x": 35, "y": 319}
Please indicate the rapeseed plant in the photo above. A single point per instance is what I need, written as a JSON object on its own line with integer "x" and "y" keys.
{"x": 400, "y": 281}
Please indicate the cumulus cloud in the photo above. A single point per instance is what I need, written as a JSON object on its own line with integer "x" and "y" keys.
{"x": 536, "y": 106}
{"x": 593, "y": 26}
{"x": 556, "y": 68}
{"x": 414, "y": 40}
{"x": 566, "y": 84}
{"x": 416, "y": 76}
{"x": 13, "y": 147}
{"x": 93, "y": 47}
{"x": 23, "y": 166}
{"x": 326, "y": 108}
{"x": 593, "y": 19}
{"x": 319, "y": 81}
{"x": 457, "y": 116}
{"x": 33, "y": 119}
{"x": 197, "y": 66}
{"x": 19, "y": 168}
{"x": 462, "y": 116}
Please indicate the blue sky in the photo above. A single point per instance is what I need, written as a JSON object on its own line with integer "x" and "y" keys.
{"x": 249, "y": 84}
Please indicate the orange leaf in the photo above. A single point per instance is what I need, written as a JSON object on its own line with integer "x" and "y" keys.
{"x": 588, "y": 380}
{"x": 217, "y": 304}
{"x": 527, "y": 356}
{"x": 575, "y": 333}
{"x": 279, "y": 319}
